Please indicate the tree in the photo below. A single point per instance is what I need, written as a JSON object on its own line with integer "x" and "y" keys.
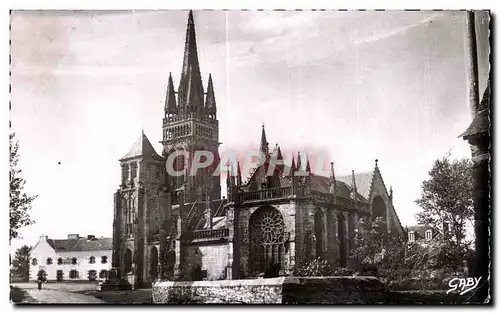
{"x": 375, "y": 248}
{"x": 447, "y": 203}
{"x": 20, "y": 202}
{"x": 20, "y": 264}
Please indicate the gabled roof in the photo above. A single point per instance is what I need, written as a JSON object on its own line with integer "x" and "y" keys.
{"x": 141, "y": 148}
{"x": 82, "y": 244}
{"x": 322, "y": 184}
{"x": 363, "y": 182}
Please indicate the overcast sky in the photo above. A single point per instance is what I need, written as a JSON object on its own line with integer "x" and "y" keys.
{"x": 356, "y": 86}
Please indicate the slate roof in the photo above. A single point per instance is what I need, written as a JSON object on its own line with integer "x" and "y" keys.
{"x": 363, "y": 182}
{"x": 481, "y": 122}
{"x": 217, "y": 223}
{"x": 141, "y": 148}
{"x": 321, "y": 184}
{"x": 82, "y": 244}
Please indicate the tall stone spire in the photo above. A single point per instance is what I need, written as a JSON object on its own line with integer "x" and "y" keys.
{"x": 238, "y": 174}
{"x": 210, "y": 106}
{"x": 191, "y": 92}
{"x": 279, "y": 157}
{"x": 354, "y": 187}
{"x": 170, "y": 103}
{"x": 308, "y": 165}
{"x": 332, "y": 182}
{"x": 292, "y": 167}
{"x": 299, "y": 162}
{"x": 264, "y": 145}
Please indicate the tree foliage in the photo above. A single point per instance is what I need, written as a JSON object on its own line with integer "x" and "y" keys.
{"x": 20, "y": 202}
{"x": 376, "y": 249}
{"x": 447, "y": 205}
{"x": 20, "y": 264}
{"x": 446, "y": 198}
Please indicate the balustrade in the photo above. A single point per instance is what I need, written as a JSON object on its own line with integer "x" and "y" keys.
{"x": 210, "y": 233}
{"x": 272, "y": 193}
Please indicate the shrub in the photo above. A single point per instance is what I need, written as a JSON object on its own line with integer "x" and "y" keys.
{"x": 321, "y": 267}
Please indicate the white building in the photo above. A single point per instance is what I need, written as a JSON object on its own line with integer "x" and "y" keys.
{"x": 72, "y": 259}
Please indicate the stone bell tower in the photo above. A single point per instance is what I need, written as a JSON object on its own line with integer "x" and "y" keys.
{"x": 190, "y": 124}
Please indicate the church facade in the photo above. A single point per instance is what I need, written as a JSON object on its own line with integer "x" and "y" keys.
{"x": 180, "y": 228}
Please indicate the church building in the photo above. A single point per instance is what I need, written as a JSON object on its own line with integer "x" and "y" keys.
{"x": 180, "y": 228}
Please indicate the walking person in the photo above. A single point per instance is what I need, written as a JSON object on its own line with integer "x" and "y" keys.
{"x": 40, "y": 283}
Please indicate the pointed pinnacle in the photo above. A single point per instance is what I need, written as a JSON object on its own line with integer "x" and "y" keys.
{"x": 190, "y": 18}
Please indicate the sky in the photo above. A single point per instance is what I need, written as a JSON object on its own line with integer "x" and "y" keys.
{"x": 350, "y": 86}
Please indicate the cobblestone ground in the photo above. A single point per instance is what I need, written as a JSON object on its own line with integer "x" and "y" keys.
{"x": 81, "y": 293}
{"x": 59, "y": 293}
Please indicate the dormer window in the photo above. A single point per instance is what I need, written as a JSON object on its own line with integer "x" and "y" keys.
{"x": 411, "y": 236}
{"x": 428, "y": 234}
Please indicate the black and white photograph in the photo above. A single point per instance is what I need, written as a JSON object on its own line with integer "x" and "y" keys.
{"x": 250, "y": 157}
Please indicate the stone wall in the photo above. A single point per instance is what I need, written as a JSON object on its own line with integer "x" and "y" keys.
{"x": 212, "y": 258}
{"x": 282, "y": 290}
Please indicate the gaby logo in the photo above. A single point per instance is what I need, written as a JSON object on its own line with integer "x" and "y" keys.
{"x": 463, "y": 284}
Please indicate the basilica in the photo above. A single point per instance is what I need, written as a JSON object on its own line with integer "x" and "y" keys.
{"x": 181, "y": 228}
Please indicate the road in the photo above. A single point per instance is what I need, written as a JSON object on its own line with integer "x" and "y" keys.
{"x": 59, "y": 293}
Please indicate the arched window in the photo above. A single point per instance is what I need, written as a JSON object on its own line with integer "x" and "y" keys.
{"x": 102, "y": 274}
{"x": 128, "y": 261}
{"x": 153, "y": 270}
{"x": 42, "y": 275}
{"x": 59, "y": 261}
{"x": 267, "y": 241}
{"x": 49, "y": 261}
{"x": 379, "y": 213}
{"x": 378, "y": 208}
{"x": 34, "y": 261}
{"x": 104, "y": 259}
{"x": 92, "y": 260}
{"x": 341, "y": 228}
{"x": 133, "y": 170}
{"x": 73, "y": 261}
{"x": 92, "y": 275}
{"x": 125, "y": 172}
{"x": 318, "y": 232}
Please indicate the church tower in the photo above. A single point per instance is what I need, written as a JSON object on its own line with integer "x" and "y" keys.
{"x": 190, "y": 125}
{"x": 136, "y": 216}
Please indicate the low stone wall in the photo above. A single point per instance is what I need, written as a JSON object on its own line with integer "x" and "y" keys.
{"x": 282, "y": 290}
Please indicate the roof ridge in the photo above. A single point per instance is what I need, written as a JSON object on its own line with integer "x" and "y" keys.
{"x": 141, "y": 147}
